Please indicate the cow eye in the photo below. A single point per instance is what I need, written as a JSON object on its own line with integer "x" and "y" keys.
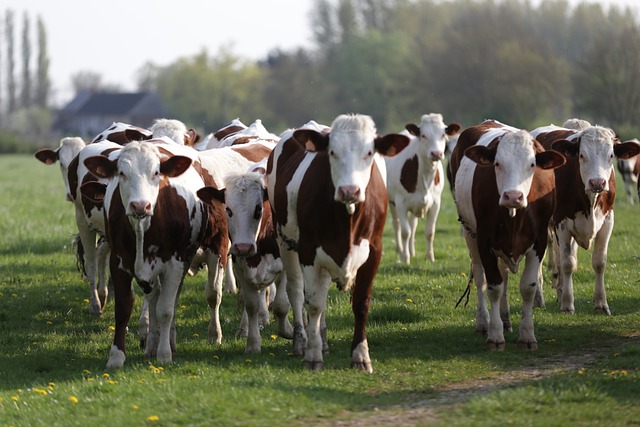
{"x": 332, "y": 153}
{"x": 229, "y": 213}
{"x": 257, "y": 214}
{"x": 496, "y": 164}
{"x": 533, "y": 165}
{"x": 369, "y": 153}
{"x": 122, "y": 175}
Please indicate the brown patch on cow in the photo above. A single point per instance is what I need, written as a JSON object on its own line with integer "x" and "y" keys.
{"x": 253, "y": 152}
{"x": 72, "y": 176}
{"x": 436, "y": 179}
{"x": 288, "y": 161}
{"x": 224, "y": 132}
{"x": 244, "y": 139}
{"x": 409, "y": 174}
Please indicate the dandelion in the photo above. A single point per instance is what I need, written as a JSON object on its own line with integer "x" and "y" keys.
{"x": 90, "y": 379}
{"x": 40, "y": 391}
{"x": 156, "y": 369}
{"x": 196, "y": 335}
{"x": 15, "y": 398}
{"x": 247, "y": 361}
{"x": 623, "y": 372}
{"x": 272, "y": 354}
{"x": 86, "y": 371}
{"x": 136, "y": 407}
{"x": 581, "y": 371}
{"x": 112, "y": 328}
{"x": 86, "y": 301}
{"x": 409, "y": 300}
{"x": 52, "y": 384}
{"x": 463, "y": 274}
{"x": 112, "y": 382}
{"x": 73, "y": 399}
{"x": 153, "y": 418}
{"x": 183, "y": 307}
{"x": 14, "y": 295}
{"x": 215, "y": 357}
{"x": 49, "y": 322}
{"x": 105, "y": 375}
{"x": 397, "y": 288}
{"x": 274, "y": 336}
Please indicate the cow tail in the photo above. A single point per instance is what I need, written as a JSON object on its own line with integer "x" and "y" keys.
{"x": 467, "y": 291}
{"x": 77, "y": 242}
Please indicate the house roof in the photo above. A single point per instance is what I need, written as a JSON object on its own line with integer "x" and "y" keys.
{"x": 103, "y": 103}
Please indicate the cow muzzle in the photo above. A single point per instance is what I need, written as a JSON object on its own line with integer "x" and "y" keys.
{"x": 437, "y": 155}
{"x": 348, "y": 194}
{"x": 139, "y": 209}
{"x": 243, "y": 250}
{"x": 597, "y": 185}
{"x": 513, "y": 199}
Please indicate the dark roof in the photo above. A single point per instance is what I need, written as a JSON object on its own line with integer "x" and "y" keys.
{"x": 103, "y": 103}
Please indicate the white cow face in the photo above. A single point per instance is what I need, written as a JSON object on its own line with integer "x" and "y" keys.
{"x": 65, "y": 153}
{"x": 351, "y": 145}
{"x": 139, "y": 171}
{"x": 514, "y": 160}
{"x": 433, "y": 135}
{"x": 596, "y": 148}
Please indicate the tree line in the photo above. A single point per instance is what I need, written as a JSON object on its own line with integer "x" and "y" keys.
{"x": 524, "y": 64}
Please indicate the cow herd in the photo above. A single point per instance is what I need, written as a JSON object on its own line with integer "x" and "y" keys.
{"x": 283, "y": 216}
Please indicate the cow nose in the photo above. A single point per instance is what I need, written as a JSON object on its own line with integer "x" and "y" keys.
{"x": 513, "y": 198}
{"x": 243, "y": 249}
{"x": 437, "y": 155}
{"x": 140, "y": 209}
{"x": 348, "y": 193}
{"x": 597, "y": 185}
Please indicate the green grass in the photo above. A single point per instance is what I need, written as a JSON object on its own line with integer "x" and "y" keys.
{"x": 430, "y": 367}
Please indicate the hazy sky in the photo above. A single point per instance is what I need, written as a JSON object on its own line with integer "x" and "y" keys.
{"x": 115, "y": 38}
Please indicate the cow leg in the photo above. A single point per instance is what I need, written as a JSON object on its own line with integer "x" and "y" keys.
{"x": 505, "y": 310}
{"x": 316, "y": 288}
{"x": 165, "y": 309}
{"x": 568, "y": 256}
{"x": 430, "y": 229}
{"x": 482, "y": 313}
{"x": 230, "y": 279}
{"x": 413, "y": 226}
{"x": 213, "y": 295}
{"x": 395, "y": 221}
{"x": 295, "y": 292}
{"x": 495, "y": 336}
{"x": 151, "y": 347}
{"x": 281, "y": 307}
{"x": 599, "y": 262}
{"x": 143, "y": 322}
{"x": 88, "y": 239}
{"x": 538, "y": 299}
{"x": 264, "y": 318}
{"x": 528, "y": 286}
{"x": 101, "y": 275}
{"x": 360, "y": 303}
{"x": 123, "y": 304}
{"x": 253, "y": 300}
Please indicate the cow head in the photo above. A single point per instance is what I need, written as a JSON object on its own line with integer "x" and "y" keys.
{"x": 139, "y": 170}
{"x": 433, "y": 135}
{"x": 122, "y": 133}
{"x": 514, "y": 156}
{"x": 595, "y": 148}
{"x": 351, "y": 145}
{"x": 65, "y": 153}
{"x": 245, "y": 197}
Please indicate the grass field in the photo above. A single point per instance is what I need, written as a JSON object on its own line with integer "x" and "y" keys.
{"x": 430, "y": 367}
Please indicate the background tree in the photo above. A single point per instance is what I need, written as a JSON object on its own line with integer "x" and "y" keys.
{"x": 25, "y": 93}
{"x": 43, "y": 83}
{"x": 11, "y": 82}
{"x": 90, "y": 81}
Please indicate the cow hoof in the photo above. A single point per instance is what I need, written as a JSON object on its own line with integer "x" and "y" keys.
{"x": 313, "y": 366}
{"x": 604, "y": 310}
{"x": 495, "y": 346}
{"x": 96, "y": 310}
{"x": 286, "y": 332}
{"x": 568, "y": 310}
{"x": 362, "y": 366}
{"x": 481, "y": 330}
{"x": 528, "y": 345}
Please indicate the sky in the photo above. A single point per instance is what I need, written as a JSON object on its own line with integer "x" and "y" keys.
{"x": 115, "y": 38}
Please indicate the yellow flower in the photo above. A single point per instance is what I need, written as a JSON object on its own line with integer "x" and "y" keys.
{"x": 86, "y": 371}
{"x": 274, "y": 336}
{"x": 183, "y": 307}
{"x": 73, "y": 399}
{"x": 86, "y": 301}
{"x": 153, "y": 418}
{"x": 247, "y": 361}
{"x": 15, "y": 398}
{"x": 112, "y": 382}
{"x": 623, "y": 372}
{"x": 136, "y": 407}
{"x": 196, "y": 335}
{"x": 409, "y": 300}
{"x": 40, "y": 391}
{"x": 112, "y": 328}
{"x": 105, "y": 375}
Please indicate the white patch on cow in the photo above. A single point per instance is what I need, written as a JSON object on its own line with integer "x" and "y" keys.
{"x": 583, "y": 227}
{"x": 351, "y": 152}
{"x": 116, "y": 358}
{"x": 360, "y": 355}
{"x": 432, "y": 139}
{"x": 514, "y": 165}
{"x": 175, "y": 130}
{"x": 596, "y": 158}
{"x": 344, "y": 274}
{"x": 244, "y": 197}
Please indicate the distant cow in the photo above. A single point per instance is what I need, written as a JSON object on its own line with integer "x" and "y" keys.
{"x": 630, "y": 170}
{"x": 586, "y": 191}
{"x": 65, "y": 153}
{"x": 174, "y": 130}
{"x": 122, "y": 133}
{"x": 415, "y": 180}
{"x": 504, "y": 193}
{"x": 154, "y": 224}
{"x": 256, "y": 256}
{"x": 213, "y": 139}
{"x": 330, "y": 203}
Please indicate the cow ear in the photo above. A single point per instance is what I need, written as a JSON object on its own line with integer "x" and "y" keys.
{"x": 550, "y": 159}
{"x": 101, "y": 166}
{"x": 135, "y": 135}
{"x": 453, "y": 129}
{"x": 259, "y": 169}
{"x": 175, "y": 166}
{"x": 391, "y": 144}
{"x": 568, "y": 148}
{"x": 413, "y": 129}
{"x": 191, "y": 138}
{"x": 47, "y": 155}
{"x": 94, "y": 191}
{"x": 311, "y": 140}
{"x": 209, "y": 194}
{"x": 481, "y": 155}
{"x": 626, "y": 150}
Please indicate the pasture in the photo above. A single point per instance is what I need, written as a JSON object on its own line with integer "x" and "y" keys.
{"x": 430, "y": 367}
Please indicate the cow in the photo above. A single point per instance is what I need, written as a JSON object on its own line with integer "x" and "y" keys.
{"x": 415, "y": 180}
{"x": 154, "y": 224}
{"x": 65, "y": 153}
{"x": 256, "y": 256}
{"x": 213, "y": 139}
{"x": 254, "y": 132}
{"x": 503, "y": 187}
{"x": 329, "y": 200}
{"x": 175, "y": 130}
{"x": 586, "y": 192}
{"x": 630, "y": 170}
{"x": 122, "y": 133}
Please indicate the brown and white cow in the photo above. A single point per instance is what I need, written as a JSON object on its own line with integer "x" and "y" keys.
{"x": 122, "y": 133}
{"x": 330, "y": 204}
{"x": 256, "y": 256}
{"x": 630, "y": 170}
{"x": 586, "y": 191}
{"x": 65, "y": 153}
{"x": 504, "y": 193}
{"x": 154, "y": 224}
{"x": 213, "y": 139}
{"x": 415, "y": 180}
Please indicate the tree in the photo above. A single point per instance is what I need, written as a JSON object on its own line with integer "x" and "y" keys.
{"x": 42, "y": 74}
{"x": 11, "y": 82}
{"x": 90, "y": 81}
{"x": 25, "y": 97}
